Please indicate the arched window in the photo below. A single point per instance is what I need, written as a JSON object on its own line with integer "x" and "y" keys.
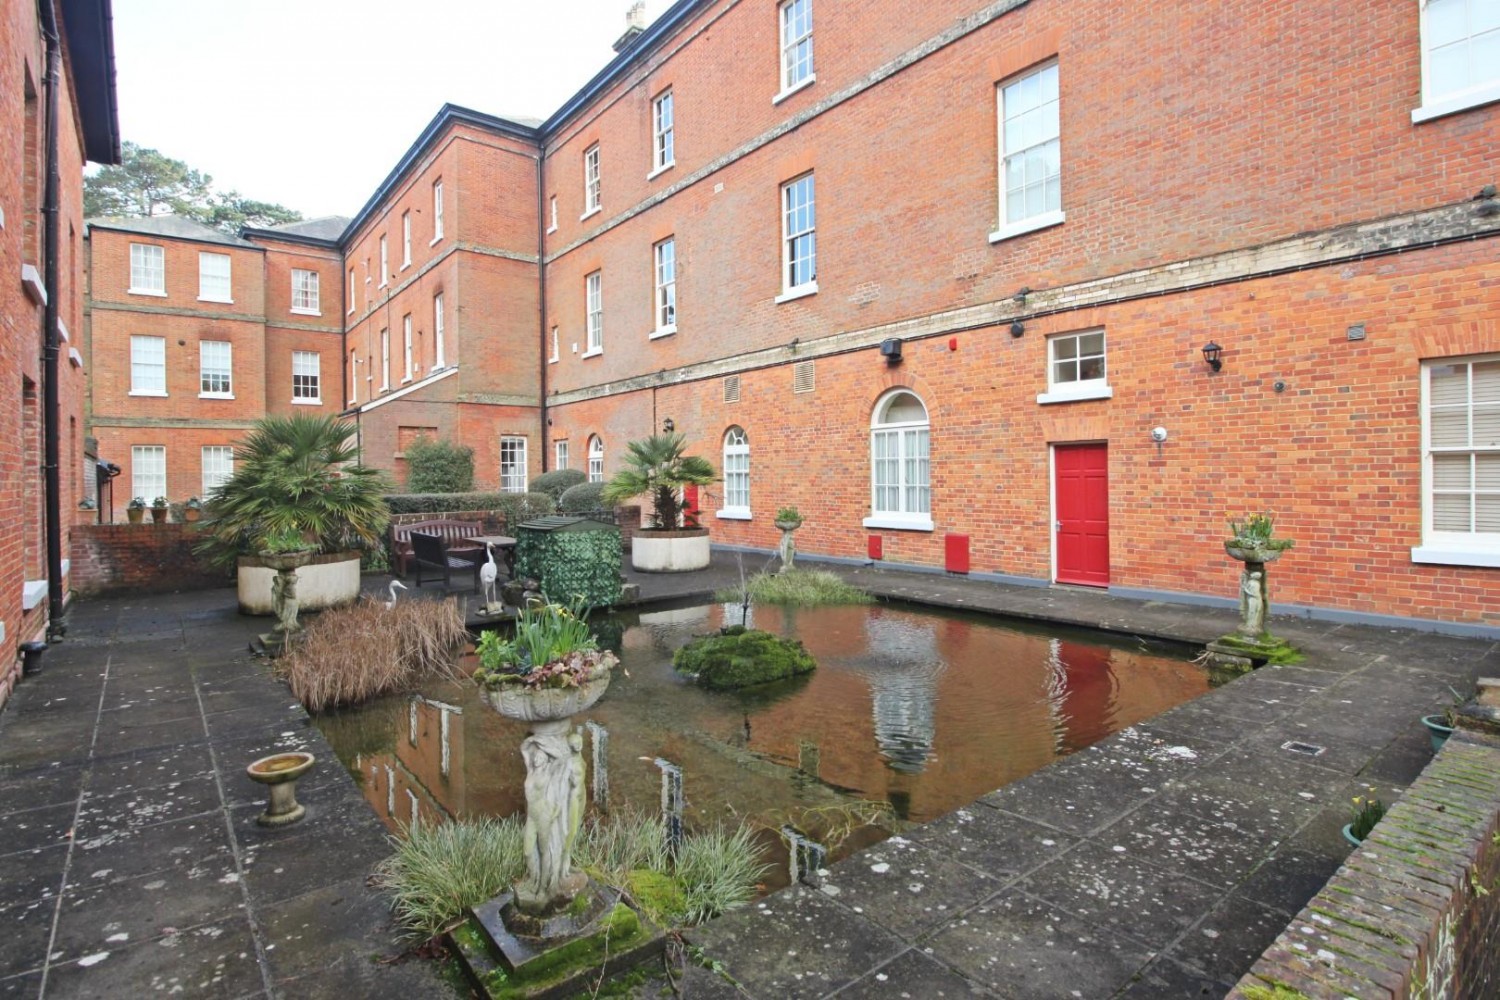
{"x": 900, "y": 493}
{"x": 596, "y": 459}
{"x": 736, "y": 474}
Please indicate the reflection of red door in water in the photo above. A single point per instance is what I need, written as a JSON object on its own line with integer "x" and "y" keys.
{"x": 1082, "y": 514}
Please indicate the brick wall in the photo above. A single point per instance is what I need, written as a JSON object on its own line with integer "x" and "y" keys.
{"x": 1416, "y": 906}
{"x": 144, "y": 558}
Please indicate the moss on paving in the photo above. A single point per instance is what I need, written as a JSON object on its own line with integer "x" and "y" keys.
{"x": 741, "y": 658}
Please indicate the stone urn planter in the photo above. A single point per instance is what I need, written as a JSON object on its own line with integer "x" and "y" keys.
{"x": 1252, "y": 553}
{"x": 787, "y": 549}
{"x": 679, "y": 551}
{"x": 1251, "y": 644}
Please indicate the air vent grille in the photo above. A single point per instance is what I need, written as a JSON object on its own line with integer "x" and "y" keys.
{"x": 731, "y": 388}
{"x": 803, "y": 377}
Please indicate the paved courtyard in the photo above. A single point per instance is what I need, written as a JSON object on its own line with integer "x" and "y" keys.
{"x": 1157, "y": 863}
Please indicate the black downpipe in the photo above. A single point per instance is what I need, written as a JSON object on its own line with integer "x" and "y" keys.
{"x": 51, "y": 415}
{"x": 541, "y": 268}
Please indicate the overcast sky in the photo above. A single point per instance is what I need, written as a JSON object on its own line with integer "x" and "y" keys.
{"x": 310, "y": 103}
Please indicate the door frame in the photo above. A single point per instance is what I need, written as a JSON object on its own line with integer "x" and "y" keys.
{"x": 1052, "y": 447}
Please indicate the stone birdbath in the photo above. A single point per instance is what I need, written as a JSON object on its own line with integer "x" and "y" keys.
{"x": 787, "y": 522}
{"x": 279, "y": 772}
{"x": 1250, "y": 645}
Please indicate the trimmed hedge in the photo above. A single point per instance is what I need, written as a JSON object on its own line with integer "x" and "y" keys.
{"x": 439, "y": 466}
{"x": 557, "y": 482}
{"x": 585, "y": 498}
{"x": 517, "y": 507}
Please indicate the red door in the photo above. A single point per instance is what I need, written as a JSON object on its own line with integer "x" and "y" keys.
{"x": 1082, "y": 514}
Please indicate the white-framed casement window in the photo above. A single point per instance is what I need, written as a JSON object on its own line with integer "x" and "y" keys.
{"x": 406, "y": 346}
{"x": 590, "y": 181}
{"x": 385, "y": 262}
{"x": 305, "y": 292}
{"x": 900, "y": 464}
{"x": 353, "y": 375}
{"x": 665, "y": 267}
{"x": 799, "y": 239}
{"x": 385, "y": 358}
{"x": 218, "y": 466}
{"x": 215, "y": 365}
{"x": 351, "y": 291}
{"x": 148, "y": 366}
{"x": 148, "y": 269}
{"x": 439, "y": 357}
{"x": 148, "y": 471}
{"x": 437, "y": 211}
{"x": 1460, "y": 56}
{"x": 796, "y": 46}
{"x": 663, "y": 155}
{"x": 556, "y": 348}
{"x": 736, "y": 475}
{"x": 560, "y": 455}
{"x": 1076, "y": 368}
{"x": 1460, "y": 462}
{"x": 512, "y": 465}
{"x": 213, "y": 277}
{"x": 594, "y": 319}
{"x": 552, "y": 225}
{"x": 307, "y": 378}
{"x": 405, "y": 240}
{"x": 596, "y": 459}
{"x": 1030, "y": 153}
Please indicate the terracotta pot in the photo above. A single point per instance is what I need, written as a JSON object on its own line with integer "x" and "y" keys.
{"x": 191, "y": 513}
{"x": 158, "y": 515}
{"x": 135, "y": 514}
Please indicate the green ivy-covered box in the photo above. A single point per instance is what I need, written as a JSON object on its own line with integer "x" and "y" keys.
{"x": 574, "y": 557}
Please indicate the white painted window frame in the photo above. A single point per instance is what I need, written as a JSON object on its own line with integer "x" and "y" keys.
{"x": 154, "y": 484}
{"x": 437, "y": 212}
{"x": 385, "y": 358}
{"x": 594, "y": 313}
{"x": 736, "y": 447}
{"x": 440, "y": 356}
{"x": 1081, "y": 388}
{"x": 210, "y": 366}
{"x": 302, "y": 368}
{"x": 512, "y": 464}
{"x": 906, "y": 434}
{"x": 1435, "y": 105}
{"x": 794, "y": 74}
{"x": 796, "y": 228}
{"x": 385, "y": 262}
{"x": 591, "y": 182}
{"x": 664, "y": 273}
{"x": 212, "y": 286}
{"x": 148, "y": 269}
{"x": 663, "y": 133}
{"x": 407, "y": 348}
{"x": 406, "y": 239}
{"x": 140, "y": 344}
{"x": 560, "y": 455}
{"x": 306, "y": 291}
{"x": 1452, "y": 548}
{"x": 596, "y": 459}
{"x": 1010, "y": 227}
{"x": 217, "y": 466}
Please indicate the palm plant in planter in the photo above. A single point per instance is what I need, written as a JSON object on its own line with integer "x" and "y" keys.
{"x": 658, "y": 469}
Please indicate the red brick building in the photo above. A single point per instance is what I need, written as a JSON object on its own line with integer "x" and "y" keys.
{"x": 56, "y": 112}
{"x": 943, "y": 278}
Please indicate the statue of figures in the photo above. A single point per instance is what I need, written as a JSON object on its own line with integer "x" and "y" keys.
{"x": 788, "y": 550}
{"x": 554, "y": 810}
{"x": 284, "y": 600}
{"x": 1253, "y": 600}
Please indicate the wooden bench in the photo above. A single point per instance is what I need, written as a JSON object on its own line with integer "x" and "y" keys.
{"x": 450, "y": 531}
{"x": 434, "y": 552}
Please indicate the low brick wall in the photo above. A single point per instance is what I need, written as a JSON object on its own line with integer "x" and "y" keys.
{"x": 1415, "y": 910}
{"x": 149, "y": 558}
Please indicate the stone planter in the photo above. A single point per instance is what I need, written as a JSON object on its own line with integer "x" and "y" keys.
{"x": 135, "y": 514}
{"x": 680, "y": 551}
{"x": 159, "y": 515}
{"x": 1252, "y": 553}
{"x": 326, "y": 581}
{"x": 516, "y": 701}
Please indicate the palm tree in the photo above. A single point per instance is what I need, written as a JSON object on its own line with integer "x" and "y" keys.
{"x": 657, "y": 467}
{"x": 296, "y": 477}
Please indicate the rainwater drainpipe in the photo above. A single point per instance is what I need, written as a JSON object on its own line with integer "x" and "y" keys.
{"x": 51, "y": 412}
{"x": 541, "y": 267}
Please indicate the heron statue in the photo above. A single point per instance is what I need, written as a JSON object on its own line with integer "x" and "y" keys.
{"x": 395, "y": 586}
{"x": 487, "y": 576}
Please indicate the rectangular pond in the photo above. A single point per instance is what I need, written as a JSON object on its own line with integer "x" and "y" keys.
{"x": 911, "y": 713}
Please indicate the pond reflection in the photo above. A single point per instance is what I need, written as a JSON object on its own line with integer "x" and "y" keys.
{"x": 910, "y": 714}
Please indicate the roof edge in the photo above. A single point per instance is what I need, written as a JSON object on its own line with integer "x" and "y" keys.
{"x": 276, "y": 235}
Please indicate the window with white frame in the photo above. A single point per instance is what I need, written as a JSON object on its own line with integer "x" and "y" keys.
{"x": 148, "y": 471}
{"x": 213, "y": 277}
{"x": 405, "y": 239}
{"x": 215, "y": 360}
{"x": 406, "y": 345}
{"x": 662, "y": 153}
{"x": 385, "y": 262}
{"x": 796, "y": 44}
{"x": 556, "y": 348}
{"x": 1030, "y": 153}
{"x": 1461, "y": 462}
{"x": 512, "y": 465}
{"x": 596, "y": 459}
{"x": 1076, "y": 368}
{"x": 218, "y": 466}
{"x": 353, "y": 372}
{"x": 591, "y": 179}
{"x": 594, "y": 294}
{"x": 1460, "y": 55}
{"x": 799, "y": 237}
{"x": 560, "y": 454}
{"x": 437, "y": 211}
{"x": 307, "y": 377}
{"x": 439, "y": 358}
{"x": 148, "y": 366}
{"x": 148, "y": 269}
{"x": 900, "y": 460}
{"x": 552, "y": 227}
{"x": 305, "y": 292}
{"x": 736, "y": 474}
{"x": 665, "y": 253}
{"x": 385, "y": 358}
{"x": 351, "y": 290}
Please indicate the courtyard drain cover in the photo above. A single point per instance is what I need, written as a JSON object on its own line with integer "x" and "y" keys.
{"x": 1305, "y": 749}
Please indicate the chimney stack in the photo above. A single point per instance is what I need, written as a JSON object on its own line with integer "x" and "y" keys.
{"x": 635, "y": 23}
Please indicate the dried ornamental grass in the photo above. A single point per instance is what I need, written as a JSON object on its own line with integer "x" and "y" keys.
{"x": 351, "y": 654}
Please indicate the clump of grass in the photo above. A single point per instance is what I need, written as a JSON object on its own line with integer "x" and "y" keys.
{"x": 351, "y": 654}
{"x": 441, "y": 871}
{"x": 799, "y": 587}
